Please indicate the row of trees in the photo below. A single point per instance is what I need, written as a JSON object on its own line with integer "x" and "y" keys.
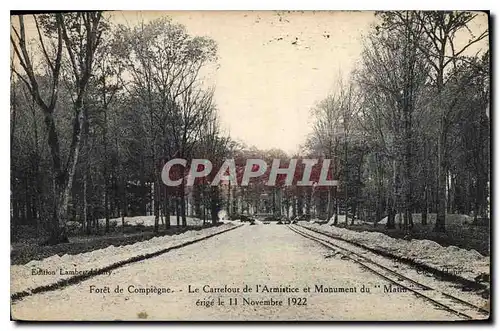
{"x": 282, "y": 196}
{"x": 410, "y": 130}
{"x": 96, "y": 109}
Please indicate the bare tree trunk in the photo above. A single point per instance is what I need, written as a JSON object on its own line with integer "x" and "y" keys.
{"x": 425, "y": 165}
{"x": 37, "y": 176}
{"x": 329, "y": 205}
{"x": 123, "y": 201}
{"x": 183, "y": 204}
{"x": 86, "y": 220}
{"x": 106, "y": 205}
{"x": 156, "y": 202}
{"x": 213, "y": 204}
{"x": 336, "y": 206}
{"x": 177, "y": 213}
{"x": 391, "y": 204}
{"x": 309, "y": 202}
{"x": 166, "y": 209}
{"x": 300, "y": 202}
{"x": 204, "y": 208}
{"x": 65, "y": 184}
{"x": 379, "y": 181}
{"x": 274, "y": 200}
{"x": 346, "y": 175}
{"x": 441, "y": 212}
{"x": 229, "y": 198}
{"x": 357, "y": 191}
{"x": 425, "y": 206}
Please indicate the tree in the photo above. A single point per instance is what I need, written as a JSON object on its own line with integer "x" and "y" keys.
{"x": 164, "y": 62}
{"x": 441, "y": 30}
{"x": 333, "y": 116}
{"x": 79, "y": 34}
{"x": 393, "y": 78}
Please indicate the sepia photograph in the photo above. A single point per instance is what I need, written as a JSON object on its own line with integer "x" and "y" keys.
{"x": 278, "y": 165}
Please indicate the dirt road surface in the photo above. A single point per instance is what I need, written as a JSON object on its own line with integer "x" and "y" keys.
{"x": 250, "y": 257}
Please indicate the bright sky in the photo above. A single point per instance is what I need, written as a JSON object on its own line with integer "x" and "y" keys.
{"x": 274, "y": 67}
{"x": 266, "y": 87}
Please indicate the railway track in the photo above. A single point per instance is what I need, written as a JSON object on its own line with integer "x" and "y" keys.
{"x": 450, "y": 303}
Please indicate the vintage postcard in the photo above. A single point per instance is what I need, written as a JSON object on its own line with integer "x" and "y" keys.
{"x": 250, "y": 166}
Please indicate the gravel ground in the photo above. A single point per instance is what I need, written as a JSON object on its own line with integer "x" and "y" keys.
{"x": 55, "y": 268}
{"x": 22, "y": 252}
{"x": 419, "y": 275}
{"x": 468, "y": 264}
{"x": 269, "y": 255}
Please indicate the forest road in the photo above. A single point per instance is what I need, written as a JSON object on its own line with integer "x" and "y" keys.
{"x": 206, "y": 281}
